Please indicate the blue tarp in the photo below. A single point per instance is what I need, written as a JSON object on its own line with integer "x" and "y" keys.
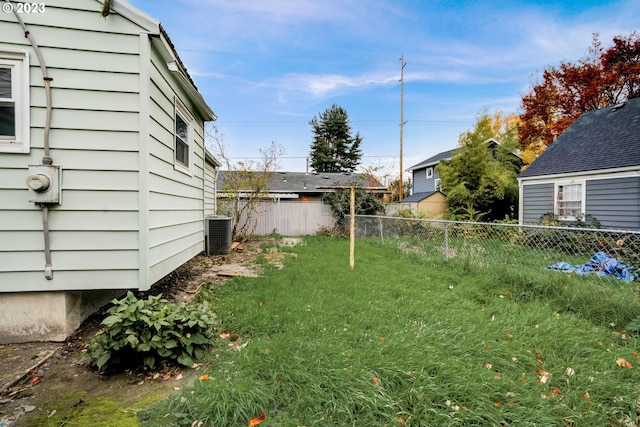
{"x": 602, "y": 264}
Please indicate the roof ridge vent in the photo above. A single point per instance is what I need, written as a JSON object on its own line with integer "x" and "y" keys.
{"x": 619, "y": 106}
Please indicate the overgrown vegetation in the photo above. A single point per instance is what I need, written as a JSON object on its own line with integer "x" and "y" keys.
{"x": 244, "y": 192}
{"x": 147, "y": 333}
{"x": 408, "y": 339}
{"x": 550, "y": 219}
{"x": 480, "y": 178}
{"x": 339, "y": 201}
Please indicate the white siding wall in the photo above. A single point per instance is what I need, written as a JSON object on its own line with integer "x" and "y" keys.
{"x": 94, "y": 138}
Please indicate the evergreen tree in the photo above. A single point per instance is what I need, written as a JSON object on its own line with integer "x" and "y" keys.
{"x": 334, "y": 149}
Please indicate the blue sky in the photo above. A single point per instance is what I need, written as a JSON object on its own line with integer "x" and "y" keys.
{"x": 267, "y": 68}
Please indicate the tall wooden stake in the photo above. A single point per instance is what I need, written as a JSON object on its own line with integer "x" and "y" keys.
{"x": 402, "y": 122}
{"x": 352, "y": 215}
{"x": 352, "y": 227}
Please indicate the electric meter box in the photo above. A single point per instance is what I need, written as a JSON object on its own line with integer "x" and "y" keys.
{"x": 44, "y": 184}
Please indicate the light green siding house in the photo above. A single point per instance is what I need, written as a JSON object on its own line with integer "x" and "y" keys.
{"x": 105, "y": 180}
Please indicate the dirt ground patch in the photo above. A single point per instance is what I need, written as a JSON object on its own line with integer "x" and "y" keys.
{"x": 52, "y": 378}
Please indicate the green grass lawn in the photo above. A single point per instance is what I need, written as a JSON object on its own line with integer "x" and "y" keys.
{"x": 404, "y": 339}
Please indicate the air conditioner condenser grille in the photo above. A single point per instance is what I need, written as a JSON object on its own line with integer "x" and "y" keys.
{"x": 217, "y": 235}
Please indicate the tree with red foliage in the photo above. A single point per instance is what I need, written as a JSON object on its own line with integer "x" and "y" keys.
{"x": 604, "y": 77}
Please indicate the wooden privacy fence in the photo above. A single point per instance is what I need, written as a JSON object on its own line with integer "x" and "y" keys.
{"x": 289, "y": 218}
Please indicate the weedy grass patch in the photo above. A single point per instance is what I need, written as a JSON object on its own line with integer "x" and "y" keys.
{"x": 409, "y": 340}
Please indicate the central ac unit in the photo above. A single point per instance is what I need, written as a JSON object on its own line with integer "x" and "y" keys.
{"x": 217, "y": 234}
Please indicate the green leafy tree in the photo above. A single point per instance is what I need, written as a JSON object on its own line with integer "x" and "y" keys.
{"x": 334, "y": 149}
{"x": 340, "y": 203}
{"x": 481, "y": 176}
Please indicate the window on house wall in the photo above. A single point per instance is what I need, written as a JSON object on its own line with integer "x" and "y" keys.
{"x": 569, "y": 200}
{"x": 183, "y": 135}
{"x": 429, "y": 173}
{"x": 14, "y": 102}
{"x": 437, "y": 185}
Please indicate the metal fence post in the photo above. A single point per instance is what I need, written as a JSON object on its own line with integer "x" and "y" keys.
{"x": 381, "y": 230}
{"x": 446, "y": 241}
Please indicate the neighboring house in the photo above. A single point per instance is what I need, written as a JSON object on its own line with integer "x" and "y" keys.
{"x": 592, "y": 169}
{"x": 106, "y": 193}
{"x": 293, "y": 202}
{"x": 429, "y": 204}
{"x": 426, "y": 195}
{"x": 424, "y": 176}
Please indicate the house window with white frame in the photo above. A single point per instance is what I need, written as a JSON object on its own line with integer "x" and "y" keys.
{"x": 183, "y": 134}
{"x": 569, "y": 200}
{"x": 14, "y": 102}
{"x": 429, "y": 173}
{"x": 437, "y": 186}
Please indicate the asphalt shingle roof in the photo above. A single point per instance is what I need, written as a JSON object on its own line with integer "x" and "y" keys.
{"x": 301, "y": 182}
{"x": 433, "y": 160}
{"x": 607, "y": 138}
{"x": 418, "y": 196}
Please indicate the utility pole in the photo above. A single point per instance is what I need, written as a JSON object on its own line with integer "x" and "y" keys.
{"x": 402, "y": 122}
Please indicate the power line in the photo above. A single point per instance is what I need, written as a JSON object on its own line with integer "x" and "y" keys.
{"x": 304, "y": 157}
{"x": 342, "y": 58}
{"x": 290, "y": 122}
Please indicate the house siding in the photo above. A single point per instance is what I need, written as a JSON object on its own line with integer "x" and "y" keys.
{"x": 176, "y": 205}
{"x": 615, "y": 203}
{"x": 422, "y": 184}
{"x": 94, "y": 138}
{"x": 434, "y": 206}
{"x": 127, "y": 216}
{"x": 537, "y": 200}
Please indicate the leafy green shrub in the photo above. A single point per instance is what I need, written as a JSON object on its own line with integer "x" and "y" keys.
{"x": 143, "y": 333}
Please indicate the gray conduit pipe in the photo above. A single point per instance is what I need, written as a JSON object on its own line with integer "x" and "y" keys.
{"x": 46, "y": 158}
{"x": 48, "y": 267}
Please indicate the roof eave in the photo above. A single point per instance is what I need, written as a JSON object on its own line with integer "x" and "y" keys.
{"x": 593, "y": 172}
{"x": 136, "y": 15}
{"x": 163, "y": 44}
{"x": 424, "y": 165}
{"x": 211, "y": 158}
{"x": 174, "y": 64}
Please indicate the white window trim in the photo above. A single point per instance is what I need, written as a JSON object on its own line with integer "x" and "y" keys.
{"x": 181, "y": 110}
{"x": 583, "y": 198}
{"x": 19, "y": 61}
{"x": 436, "y": 184}
{"x": 429, "y": 173}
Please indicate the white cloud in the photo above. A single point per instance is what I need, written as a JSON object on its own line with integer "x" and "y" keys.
{"x": 326, "y": 85}
{"x": 279, "y": 8}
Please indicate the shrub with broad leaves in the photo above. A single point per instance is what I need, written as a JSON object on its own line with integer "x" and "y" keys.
{"x": 150, "y": 332}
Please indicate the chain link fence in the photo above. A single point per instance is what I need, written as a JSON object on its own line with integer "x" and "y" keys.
{"x": 607, "y": 253}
